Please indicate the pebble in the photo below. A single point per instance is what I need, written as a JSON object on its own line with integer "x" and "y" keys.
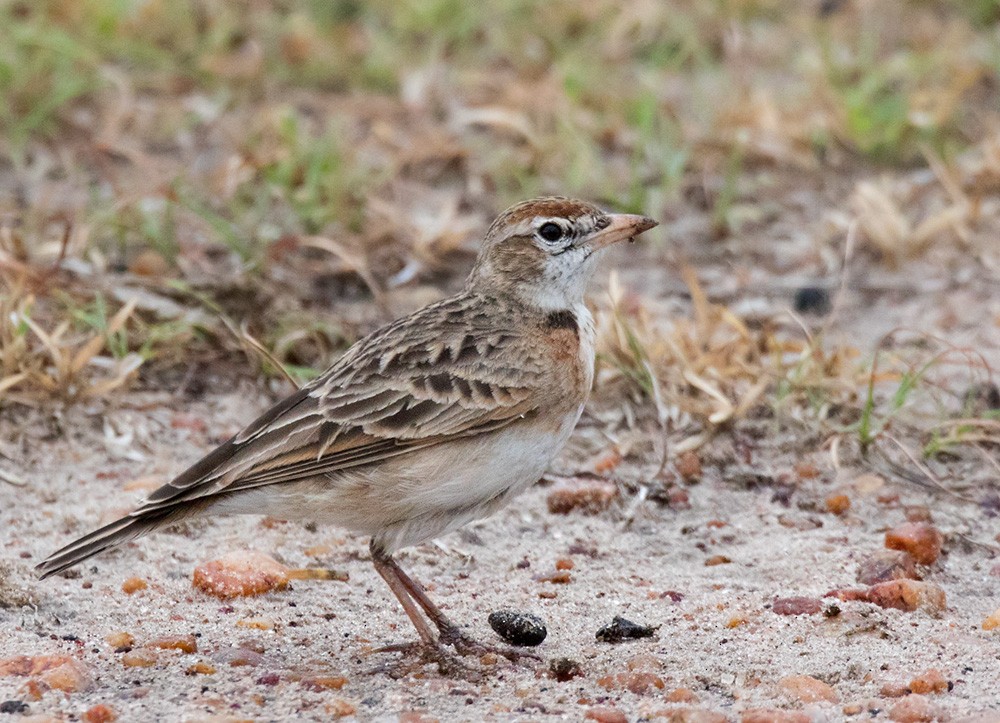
{"x": 589, "y": 497}
{"x": 184, "y": 643}
{"x": 340, "y": 708}
{"x": 796, "y": 606}
{"x": 909, "y": 596}
{"x": 240, "y": 574}
{"x": 620, "y": 629}
{"x": 324, "y": 682}
{"x": 119, "y": 639}
{"x": 238, "y": 656}
{"x": 717, "y": 560}
{"x": 992, "y": 622}
{"x": 201, "y": 668}
{"x": 774, "y": 715}
{"x": 807, "y": 689}
{"x": 838, "y": 504}
{"x": 603, "y": 714}
{"x": 885, "y": 565}
{"x": 565, "y": 669}
{"x": 14, "y": 706}
{"x": 518, "y": 628}
{"x": 915, "y": 708}
{"x": 920, "y": 539}
{"x": 689, "y": 467}
{"x": 140, "y": 658}
{"x": 644, "y": 661}
{"x": 636, "y": 682}
{"x": 99, "y": 713}
{"x": 690, "y": 715}
{"x": 931, "y": 681}
{"x": 59, "y": 672}
{"x": 134, "y": 585}
{"x": 682, "y": 695}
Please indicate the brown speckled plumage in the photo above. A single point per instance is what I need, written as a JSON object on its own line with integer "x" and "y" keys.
{"x": 434, "y": 420}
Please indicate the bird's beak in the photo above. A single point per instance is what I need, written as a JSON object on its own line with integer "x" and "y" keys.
{"x": 623, "y": 226}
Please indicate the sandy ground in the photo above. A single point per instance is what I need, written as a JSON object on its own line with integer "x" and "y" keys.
{"x": 717, "y": 637}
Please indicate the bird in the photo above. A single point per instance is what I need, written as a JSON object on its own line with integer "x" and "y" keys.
{"x": 434, "y": 420}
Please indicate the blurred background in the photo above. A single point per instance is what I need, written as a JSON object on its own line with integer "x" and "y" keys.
{"x": 199, "y": 187}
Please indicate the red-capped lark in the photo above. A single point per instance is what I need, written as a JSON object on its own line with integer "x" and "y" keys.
{"x": 434, "y": 420}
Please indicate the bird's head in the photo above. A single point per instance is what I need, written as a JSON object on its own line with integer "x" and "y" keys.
{"x": 544, "y": 250}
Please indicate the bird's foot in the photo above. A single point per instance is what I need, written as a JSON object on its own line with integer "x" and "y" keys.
{"x": 418, "y": 654}
{"x": 468, "y": 646}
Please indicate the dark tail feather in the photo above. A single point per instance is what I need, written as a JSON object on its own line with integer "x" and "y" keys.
{"x": 111, "y": 535}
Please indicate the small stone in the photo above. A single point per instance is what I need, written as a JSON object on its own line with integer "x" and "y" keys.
{"x": 644, "y": 661}
{"x": 589, "y": 497}
{"x": 14, "y": 706}
{"x": 518, "y": 628}
{"x": 324, "y": 682}
{"x": 184, "y": 643}
{"x": 838, "y": 504}
{"x": 894, "y": 690}
{"x": 99, "y": 713}
{"x": 915, "y": 709}
{"x": 909, "y": 596}
{"x": 201, "y": 668}
{"x": 256, "y": 624}
{"x": 565, "y": 669}
{"x": 885, "y": 565}
{"x": 774, "y": 715}
{"x": 119, "y": 639}
{"x": 603, "y": 714}
{"x": 634, "y": 682}
{"x": 689, "y": 467}
{"x": 992, "y": 622}
{"x": 140, "y": 658}
{"x": 564, "y": 563}
{"x": 931, "y": 681}
{"x": 682, "y": 695}
{"x": 240, "y": 574}
{"x": 717, "y": 560}
{"x": 920, "y": 539}
{"x": 807, "y": 689}
{"x": 560, "y": 577}
{"x": 134, "y": 585}
{"x": 59, "y": 672}
{"x": 796, "y": 606}
{"x": 678, "y": 499}
{"x": 690, "y": 715}
{"x": 851, "y": 709}
{"x": 620, "y": 629}
{"x": 238, "y": 656}
{"x": 340, "y": 708}
{"x": 72, "y": 676}
{"x": 917, "y": 513}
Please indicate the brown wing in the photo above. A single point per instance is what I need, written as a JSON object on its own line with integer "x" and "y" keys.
{"x": 437, "y": 375}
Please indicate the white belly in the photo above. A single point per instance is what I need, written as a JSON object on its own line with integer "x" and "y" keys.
{"x": 418, "y": 496}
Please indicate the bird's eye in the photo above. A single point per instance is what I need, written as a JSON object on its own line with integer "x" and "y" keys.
{"x": 550, "y": 231}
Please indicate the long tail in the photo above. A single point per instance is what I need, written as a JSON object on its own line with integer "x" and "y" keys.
{"x": 104, "y": 538}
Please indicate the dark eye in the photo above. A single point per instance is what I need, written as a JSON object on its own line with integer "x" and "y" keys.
{"x": 550, "y": 231}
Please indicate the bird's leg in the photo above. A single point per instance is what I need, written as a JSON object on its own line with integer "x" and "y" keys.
{"x": 430, "y": 647}
{"x": 450, "y": 633}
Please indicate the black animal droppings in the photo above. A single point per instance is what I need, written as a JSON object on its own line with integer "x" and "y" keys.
{"x": 812, "y": 300}
{"x": 517, "y": 628}
{"x": 620, "y": 629}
